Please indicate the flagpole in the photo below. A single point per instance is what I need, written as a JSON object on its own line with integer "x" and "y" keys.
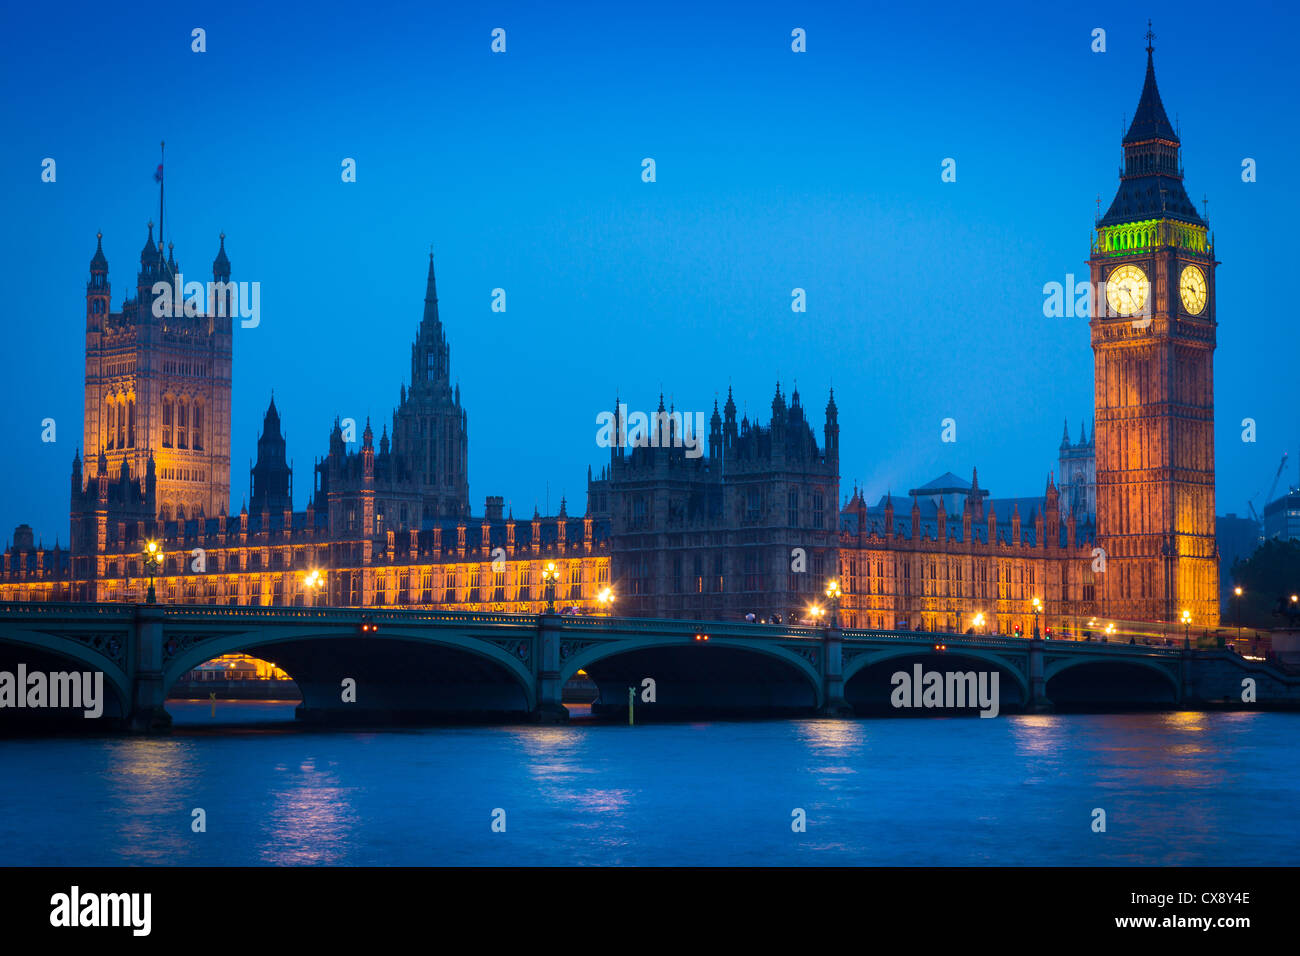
{"x": 162, "y": 150}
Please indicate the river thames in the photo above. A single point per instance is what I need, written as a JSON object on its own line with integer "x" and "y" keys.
{"x": 1177, "y": 789}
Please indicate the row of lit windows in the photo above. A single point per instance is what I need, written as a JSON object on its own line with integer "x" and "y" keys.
{"x": 182, "y": 423}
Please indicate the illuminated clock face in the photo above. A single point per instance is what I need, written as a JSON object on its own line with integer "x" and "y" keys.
{"x": 1127, "y": 289}
{"x": 1191, "y": 287}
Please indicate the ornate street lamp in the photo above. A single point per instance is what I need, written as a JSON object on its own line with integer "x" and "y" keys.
{"x": 978, "y": 621}
{"x": 606, "y": 600}
{"x": 833, "y": 593}
{"x": 550, "y": 575}
{"x": 1187, "y": 630}
{"x": 816, "y": 611}
{"x": 313, "y": 582}
{"x": 1236, "y": 611}
{"x": 1038, "y": 606}
{"x": 154, "y": 559}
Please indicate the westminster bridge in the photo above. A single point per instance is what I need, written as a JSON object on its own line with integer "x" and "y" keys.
{"x": 425, "y": 664}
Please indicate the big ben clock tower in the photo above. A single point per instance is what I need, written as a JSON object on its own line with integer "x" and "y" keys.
{"x": 1153, "y": 336}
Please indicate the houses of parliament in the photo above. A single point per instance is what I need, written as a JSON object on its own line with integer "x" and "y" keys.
{"x": 1122, "y": 529}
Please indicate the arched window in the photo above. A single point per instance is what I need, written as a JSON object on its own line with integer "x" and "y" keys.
{"x": 168, "y": 414}
{"x": 110, "y": 418}
{"x": 121, "y": 423}
{"x": 196, "y": 428}
{"x": 130, "y": 423}
{"x": 182, "y": 422}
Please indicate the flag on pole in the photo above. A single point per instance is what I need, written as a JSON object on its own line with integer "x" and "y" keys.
{"x": 157, "y": 174}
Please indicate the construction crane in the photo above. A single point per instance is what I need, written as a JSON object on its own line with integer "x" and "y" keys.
{"x": 1281, "y": 466}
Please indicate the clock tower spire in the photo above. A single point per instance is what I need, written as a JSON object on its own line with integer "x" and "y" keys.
{"x": 1153, "y": 338}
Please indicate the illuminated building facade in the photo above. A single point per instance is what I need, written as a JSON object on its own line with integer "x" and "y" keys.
{"x": 750, "y": 526}
{"x": 950, "y": 558}
{"x": 1153, "y": 339}
{"x": 157, "y": 392}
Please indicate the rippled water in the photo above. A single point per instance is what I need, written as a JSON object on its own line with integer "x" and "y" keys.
{"x": 1180, "y": 788}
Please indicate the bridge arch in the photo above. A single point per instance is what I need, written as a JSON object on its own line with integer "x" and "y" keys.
{"x": 1117, "y": 680}
{"x": 736, "y": 674}
{"x": 870, "y": 687}
{"x": 954, "y": 652}
{"x": 292, "y": 646}
{"x": 61, "y": 648}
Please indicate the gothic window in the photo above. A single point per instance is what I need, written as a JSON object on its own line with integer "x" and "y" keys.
{"x": 499, "y": 585}
{"x": 524, "y": 585}
{"x": 196, "y": 428}
{"x": 575, "y": 580}
{"x": 111, "y": 411}
{"x": 792, "y": 509}
{"x": 130, "y": 423}
{"x": 182, "y": 423}
{"x": 168, "y": 414}
{"x": 751, "y": 571}
{"x": 819, "y": 517}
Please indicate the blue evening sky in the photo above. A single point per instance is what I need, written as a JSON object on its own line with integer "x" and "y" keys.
{"x": 775, "y": 170}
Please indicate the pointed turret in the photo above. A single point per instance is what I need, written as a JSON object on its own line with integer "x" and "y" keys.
{"x": 221, "y": 264}
{"x": 98, "y": 263}
{"x": 1151, "y": 185}
{"x": 1150, "y": 121}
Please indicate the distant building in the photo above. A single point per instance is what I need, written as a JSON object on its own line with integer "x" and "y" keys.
{"x": 1078, "y": 469}
{"x": 1282, "y": 517}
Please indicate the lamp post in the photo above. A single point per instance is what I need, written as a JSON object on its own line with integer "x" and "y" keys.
{"x": 833, "y": 595}
{"x": 550, "y": 575}
{"x": 978, "y": 621}
{"x": 1236, "y": 608}
{"x": 1038, "y": 606}
{"x": 154, "y": 559}
{"x": 1187, "y": 630}
{"x": 816, "y": 612}
{"x": 312, "y": 582}
{"x": 606, "y": 600}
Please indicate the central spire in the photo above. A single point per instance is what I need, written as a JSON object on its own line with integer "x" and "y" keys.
{"x": 1150, "y": 121}
{"x": 430, "y": 355}
{"x": 1151, "y": 183}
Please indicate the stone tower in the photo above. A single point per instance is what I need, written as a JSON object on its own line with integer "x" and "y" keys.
{"x": 430, "y": 428}
{"x": 1153, "y": 339}
{"x": 271, "y": 479}
{"x": 159, "y": 385}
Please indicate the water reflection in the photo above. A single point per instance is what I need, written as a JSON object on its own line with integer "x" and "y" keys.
{"x": 310, "y": 819}
{"x": 150, "y": 787}
{"x": 1189, "y": 788}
